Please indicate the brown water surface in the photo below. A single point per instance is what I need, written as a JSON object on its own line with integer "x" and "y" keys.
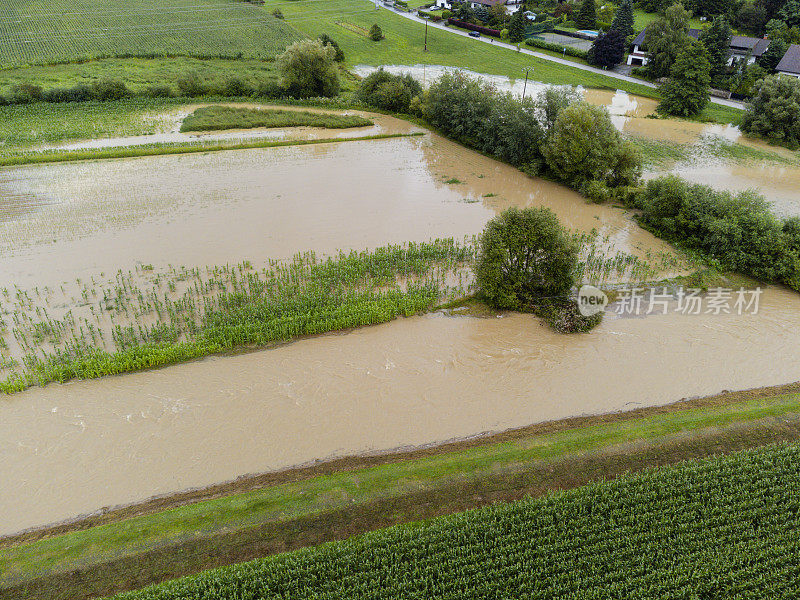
{"x": 74, "y": 448}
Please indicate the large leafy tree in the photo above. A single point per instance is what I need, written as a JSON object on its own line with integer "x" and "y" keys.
{"x": 587, "y": 15}
{"x": 608, "y": 49}
{"x": 583, "y": 146}
{"x": 623, "y": 19}
{"x": 665, "y": 39}
{"x": 790, "y": 13}
{"x": 525, "y": 255}
{"x": 774, "y": 112}
{"x": 716, "y": 39}
{"x": 686, "y": 92}
{"x": 308, "y": 69}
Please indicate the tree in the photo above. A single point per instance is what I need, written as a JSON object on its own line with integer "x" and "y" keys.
{"x": 716, "y": 39}
{"x": 525, "y": 255}
{"x": 686, "y": 92}
{"x": 549, "y": 104}
{"x": 375, "y": 33}
{"x": 790, "y": 13}
{"x": 389, "y": 92}
{"x": 665, "y": 39}
{"x": 516, "y": 28}
{"x": 774, "y": 112}
{"x": 608, "y": 49}
{"x": 308, "y": 69}
{"x": 773, "y": 55}
{"x": 711, "y": 8}
{"x": 587, "y": 15}
{"x": 623, "y": 19}
{"x": 482, "y": 14}
{"x": 583, "y": 145}
{"x": 329, "y": 41}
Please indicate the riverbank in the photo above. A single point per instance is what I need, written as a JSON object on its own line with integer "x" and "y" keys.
{"x": 254, "y": 516}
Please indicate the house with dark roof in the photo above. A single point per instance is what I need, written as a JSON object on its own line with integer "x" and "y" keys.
{"x": 740, "y": 48}
{"x": 790, "y": 63}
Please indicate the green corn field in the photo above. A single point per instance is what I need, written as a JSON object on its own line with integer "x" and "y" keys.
{"x": 61, "y": 30}
{"x": 722, "y": 528}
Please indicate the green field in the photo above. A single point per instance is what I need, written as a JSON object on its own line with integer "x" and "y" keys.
{"x": 139, "y": 73}
{"x": 721, "y": 528}
{"x": 59, "y": 30}
{"x": 551, "y": 457}
{"x": 217, "y": 118}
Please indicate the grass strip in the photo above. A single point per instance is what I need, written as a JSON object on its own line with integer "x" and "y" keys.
{"x": 545, "y": 457}
{"x": 159, "y": 150}
{"x": 216, "y": 118}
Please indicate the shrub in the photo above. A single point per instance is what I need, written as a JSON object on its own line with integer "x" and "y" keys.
{"x": 278, "y": 14}
{"x": 308, "y": 69}
{"x": 25, "y": 93}
{"x": 525, "y": 256}
{"x": 77, "y": 93}
{"x": 269, "y": 89}
{"x": 473, "y": 27}
{"x": 446, "y": 14}
{"x": 563, "y": 315}
{"x": 375, "y": 33}
{"x": 737, "y": 230}
{"x": 389, "y": 92}
{"x": 235, "y": 86}
{"x": 329, "y": 41}
{"x": 110, "y": 89}
{"x": 158, "y": 91}
{"x": 190, "y": 85}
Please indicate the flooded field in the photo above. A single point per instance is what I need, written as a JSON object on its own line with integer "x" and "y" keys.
{"x": 170, "y": 123}
{"x": 67, "y": 221}
{"x": 74, "y": 448}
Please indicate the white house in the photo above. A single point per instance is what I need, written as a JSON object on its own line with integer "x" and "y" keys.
{"x": 790, "y": 63}
{"x": 512, "y": 6}
{"x": 740, "y": 48}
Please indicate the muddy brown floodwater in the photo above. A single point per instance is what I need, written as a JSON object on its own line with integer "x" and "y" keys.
{"x": 75, "y": 220}
{"x": 70, "y": 449}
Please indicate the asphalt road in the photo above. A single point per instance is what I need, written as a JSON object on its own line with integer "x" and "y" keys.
{"x": 555, "y": 59}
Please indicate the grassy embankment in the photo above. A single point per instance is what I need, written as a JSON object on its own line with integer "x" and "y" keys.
{"x": 218, "y": 118}
{"x": 274, "y": 513}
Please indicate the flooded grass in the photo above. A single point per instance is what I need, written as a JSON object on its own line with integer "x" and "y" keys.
{"x": 218, "y": 309}
{"x": 148, "y": 319}
{"x": 56, "y": 156}
{"x": 211, "y": 118}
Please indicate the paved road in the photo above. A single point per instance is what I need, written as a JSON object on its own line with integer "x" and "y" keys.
{"x": 555, "y": 59}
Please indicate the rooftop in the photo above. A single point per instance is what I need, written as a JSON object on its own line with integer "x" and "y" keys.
{"x": 790, "y": 63}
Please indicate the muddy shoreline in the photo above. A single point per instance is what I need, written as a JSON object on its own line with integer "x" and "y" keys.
{"x": 319, "y": 467}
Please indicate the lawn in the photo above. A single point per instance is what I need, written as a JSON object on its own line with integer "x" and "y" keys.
{"x": 642, "y": 19}
{"x": 713, "y": 425}
{"x": 59, "y": 30}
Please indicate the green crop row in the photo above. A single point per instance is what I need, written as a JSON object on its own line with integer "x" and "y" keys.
{"x": 718, "y": 528}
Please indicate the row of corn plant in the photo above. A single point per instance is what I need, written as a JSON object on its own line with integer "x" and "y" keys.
{"x": 719, "y": 528}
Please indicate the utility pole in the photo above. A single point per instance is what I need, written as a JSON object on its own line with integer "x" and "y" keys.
{"x": 527, "y": 71}
{"x": 426, "y": 36}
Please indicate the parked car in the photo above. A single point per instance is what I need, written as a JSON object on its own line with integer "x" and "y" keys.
{"x": 474, "y": 34}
